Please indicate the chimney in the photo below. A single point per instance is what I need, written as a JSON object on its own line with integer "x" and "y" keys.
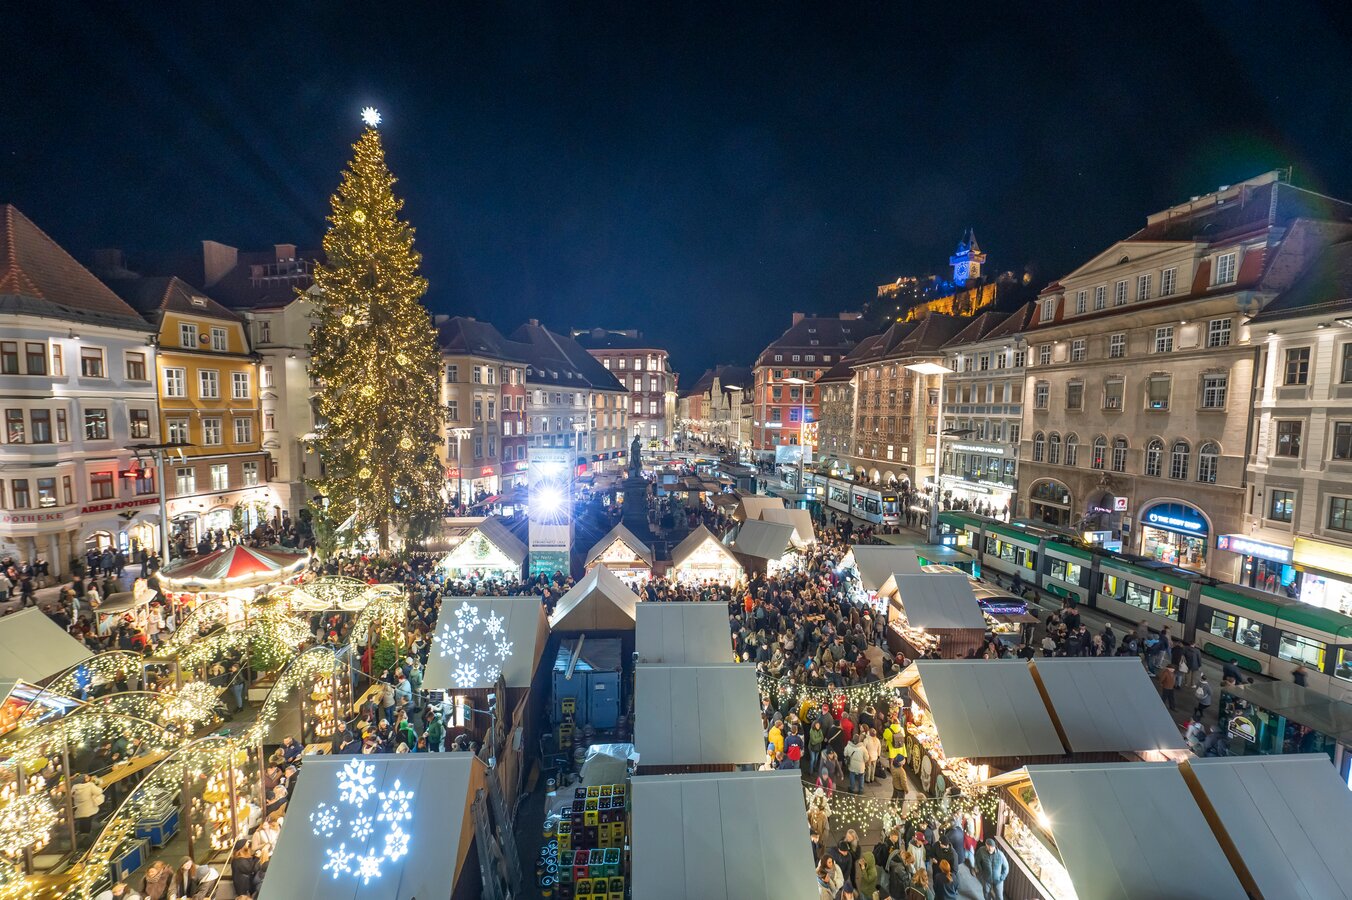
{"x": 109, "y": 261}
{"x": 285, "y": 251}
{"x": 851, "y": 316}
{"x": 217, "y": 261}
{"x": 533, "y": 322}
{"x": 798, "y": 317}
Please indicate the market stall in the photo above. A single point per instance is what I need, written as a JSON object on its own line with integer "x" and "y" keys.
{"x": 490, "y": 552}
{"x": 681, "y": 634}
{"x": 621, "y": 552}
{"x": 1108, "y": 706}
{"x": 599, "y": 602}
{"x": 970, "y": 718}
{"x": 1269, "y": 813}
{"x": 869, "y": 566}
{"x": 721, "y": 837}
{"x": 932, "y": 615}
{"x": 1269, "y": 717}
{"x": 1095, "y": 832}
{"x": 697, "y": 718}
{"x": 702, "y": 557}
{"x": 800, "y": 520}
{"x": 17, "y": 705}
{"x": 131, "y": 606}
{"x": 750, "y": 506}
{"x": 765, "y": 548}
{"x": 380, "y": 828}
{"x": 33, "y": 648}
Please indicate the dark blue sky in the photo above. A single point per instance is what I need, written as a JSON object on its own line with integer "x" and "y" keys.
{"x": 697, "y": 171}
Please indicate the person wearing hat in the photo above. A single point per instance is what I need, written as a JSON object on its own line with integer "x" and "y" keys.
{"x": 992, "y": 868}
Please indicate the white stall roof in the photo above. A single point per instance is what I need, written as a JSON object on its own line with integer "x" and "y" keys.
{"x": 799, "y": 519}
{"x": 1107, "y": 704}
{"x": 987, "y": 708}
{"x": 1132, "y": 830}
{"x": 505, "y": 629}
{"x": 696, "y": 539}
{"x": 503, "y": 539}
{"x": 878, "y": 562}
{"x": 732, "y": 836}
{"x": 600, "y": 601}
{"x": 937, "y": 601}
{"x": 697, "y": 715}
{"x": 763, "y": 540}
{"x": 350, "y": 816}
{"x": 33, "y": 647}
{"x": 751, "y": 505}
{"x": 1284, "y": 816}
{"x": 683, "y": 633}
{"x": 626, "y": 537}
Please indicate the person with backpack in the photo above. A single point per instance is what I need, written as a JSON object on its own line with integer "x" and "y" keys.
{"x": 1204, "y": 695}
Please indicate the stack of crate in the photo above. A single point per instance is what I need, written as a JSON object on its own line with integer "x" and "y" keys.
{"x": 568, "y": 710}
{"x": 591, "y": 834}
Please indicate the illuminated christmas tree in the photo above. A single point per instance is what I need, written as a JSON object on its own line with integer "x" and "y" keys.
{"x": 375, "y": 359}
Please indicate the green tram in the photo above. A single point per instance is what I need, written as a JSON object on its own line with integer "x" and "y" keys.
{"x": 1261, "y": 632}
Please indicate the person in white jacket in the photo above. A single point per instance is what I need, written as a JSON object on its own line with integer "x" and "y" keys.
{"x": 86, "y": 797}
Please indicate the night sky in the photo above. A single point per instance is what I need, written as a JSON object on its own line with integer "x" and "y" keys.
{"x": 698, "y": 173}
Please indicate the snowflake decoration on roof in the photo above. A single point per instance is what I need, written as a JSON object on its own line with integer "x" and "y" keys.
{"x": 493, "y": 625}
{"x": 356, "y": 782}
{"x": 470, "y": 640}
{"x": 325, "y": 820}
{"x": 396, "y": 843}
{"x": 394, "y": 804}
{"x": 467, "y": 617}
{"x": 340, "y": 860}
{"x": 466, "y": 675}
{"x": 491, "y": 674}
{"x": 480, "y": 653}
{"x": 504, "y": 649}
{"x": 368, "y": 866}
{"x": 362, "y": 826}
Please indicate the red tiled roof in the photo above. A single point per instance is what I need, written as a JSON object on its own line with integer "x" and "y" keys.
{"x": 38, "y": 277}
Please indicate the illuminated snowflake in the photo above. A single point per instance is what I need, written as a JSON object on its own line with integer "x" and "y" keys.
{"x": 504, "y": 649}
{"x": 325, "y": 820}
{"x": 340, "y": 861}
{"x": 356, "y": 782}
{"x": 491, "y": 674}
{"x": 396, "y": 843}
{"x": 368, "y": 866}
{"x": 394, "y": 804}
{"x": 493, "y": 624}
{"x": 362, "y": 827}
{"x": 467, "y": 617}
{"x": 480, "y": 653}
{"x": 466, "y": 675}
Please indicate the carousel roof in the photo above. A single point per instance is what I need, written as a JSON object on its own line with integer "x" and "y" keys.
{"x": 233, "y": 567}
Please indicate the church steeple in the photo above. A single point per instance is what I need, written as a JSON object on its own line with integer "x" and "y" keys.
{"x": 966, "y": 262}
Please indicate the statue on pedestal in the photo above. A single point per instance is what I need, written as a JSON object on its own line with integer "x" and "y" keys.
{"x": 635, "y": 458}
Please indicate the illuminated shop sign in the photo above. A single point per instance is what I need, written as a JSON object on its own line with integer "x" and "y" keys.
{"x": 1176, "y": 517}
{"x": 1238, "y": 543}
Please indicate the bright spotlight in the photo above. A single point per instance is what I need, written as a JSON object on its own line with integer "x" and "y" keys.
{"x": 548, "y": 500}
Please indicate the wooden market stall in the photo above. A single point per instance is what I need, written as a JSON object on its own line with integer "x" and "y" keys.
{"x": 623, "y": 554}
{"x": 702, "y": 718}
{"x": 721, "y": 837}
{"x": 33, "y": 648}
{"x": 489, "y": 552}
{"x": 702, "y": 557}
{"x": 800, "y": 520}
{"x": 765, "y": 548}
{"x": 869, "y": 566}
{"x": 599, "y": 602}
{"x": 750, "y": 506}
{"x": 676, "y": 634}
{"x": 932, "y": 615}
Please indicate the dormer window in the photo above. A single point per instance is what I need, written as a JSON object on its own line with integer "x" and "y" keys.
{"x": 1048, "y": 311}
{"x": 1226, "y": 268}
{"x": 198, "y": 301}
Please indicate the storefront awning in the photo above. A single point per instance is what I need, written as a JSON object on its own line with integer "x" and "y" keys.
{"x": 987, "y": 708}
{"x": 683, "y": 633}
{"x": 721, "y": 837}
{"x": 600, "y": 601}
{"x": 34, "y": 648}
{"x": 1284, "y": 816}
{"x": 697, "y": 715}
{"x": 877, "y": 562}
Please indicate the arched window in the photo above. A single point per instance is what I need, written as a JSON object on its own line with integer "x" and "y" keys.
{"x": 1039, "y": 446}
{"x": 1154, "y": 457}
{"x": 1208, "y": 456}
{"x": 1100, "y": 457}
{"x": 1119, "y": 454}
{"x": 1072, "y": 449}
{"x": 1179, "y": 457}
{"x": 1054, "y": 449}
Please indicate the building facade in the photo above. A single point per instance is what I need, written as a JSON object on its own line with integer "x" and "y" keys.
{"x": 717, "y": 407}
{"x": 784, "y": 393}
{"x": 484, "y": 392}
{"x": 1143, "y": 361}
{"x": 77, "y": 369}
{"x": 644, "y": 369}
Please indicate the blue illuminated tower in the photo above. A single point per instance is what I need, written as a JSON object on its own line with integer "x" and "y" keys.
{"x": 966, "y": 262}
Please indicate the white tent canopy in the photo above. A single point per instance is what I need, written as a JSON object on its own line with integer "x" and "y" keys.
{"x": 763, "y": 540}
{"x": 697, "y": 715}
{"x": 750, "y": 506}
{"x": 683, "y": 633}
{"x": 600, "y": 601}
{"x": 1284, "y": 816}
{"x": 350, "y": 817}
{"x": 730, "y": 836}
{"x": 800, "y": 520}
{"x": 986, "y": 708}
{"x": 631, "y": 551}
{"x": 1107, "y": 704}
{"x": 477, "y": 637}
{"x": 700, "y": 554}
{"x": 937, "y": 601}
{"x": 1132, "y": 830}
{"x": 33, "y": 647}
{"x": 878, "y": 562}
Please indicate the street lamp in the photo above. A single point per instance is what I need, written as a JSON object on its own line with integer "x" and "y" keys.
{"x": 802, "y": 423}
{"x": 460, "y": 434}
{"x": 933, "y": 368}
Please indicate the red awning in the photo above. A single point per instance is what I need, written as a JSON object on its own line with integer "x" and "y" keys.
{"x": 237, "y": 566}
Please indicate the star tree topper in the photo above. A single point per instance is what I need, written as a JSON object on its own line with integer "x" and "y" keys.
{"x": 371, "y": 116}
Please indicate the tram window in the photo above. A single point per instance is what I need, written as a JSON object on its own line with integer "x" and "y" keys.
{"x": 1157, "y": 602}
{"x": 1300, "y": 649}
{"x": 1236, "y": 628}
{"x": 1112, "y": 586}
{"x": 1066, "y": 571}
{"x": 1344, "y": 668}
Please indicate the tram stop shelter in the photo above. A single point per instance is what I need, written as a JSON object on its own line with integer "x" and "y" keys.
{"x": 599, "y": 602}
{"x": 681, "y": 634}
{"x": 721, "y": 837}
{"x": 384, "y": 827}
{"x": 33, "y": 648}
{"x": 697, "y": 718}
